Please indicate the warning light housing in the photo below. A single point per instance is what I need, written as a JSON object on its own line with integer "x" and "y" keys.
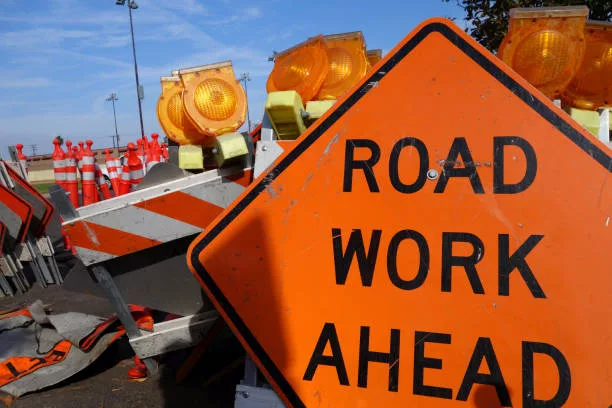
{"x": 172, "y": 116}
{"x": 302, "y": 68}
{"x": 213, "y": 99}
{"x": 591, "y": 87}
{"x": 373, "y": 56}
{"x": 545, "y": 45}
{"x": 346, "y": 55}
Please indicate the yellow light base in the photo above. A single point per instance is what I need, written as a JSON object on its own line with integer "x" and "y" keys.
{"x": 316, "y": 109}
{"x": 190, "y": 157}
{"x": 229, "y": 147}
{"x": 284, "y": 108}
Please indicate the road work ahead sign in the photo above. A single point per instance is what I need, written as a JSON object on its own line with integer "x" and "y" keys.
{"x": 441, "y": 238}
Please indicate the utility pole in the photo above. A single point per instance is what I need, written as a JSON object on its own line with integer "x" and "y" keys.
{"x": 132, "y": 5}
{"x": 244, "y": 78}
{"x": 113, "y": 97}
{"x": 34, "y": 148}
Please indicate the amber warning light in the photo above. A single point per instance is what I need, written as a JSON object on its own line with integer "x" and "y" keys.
{"x": 545, "y": 45}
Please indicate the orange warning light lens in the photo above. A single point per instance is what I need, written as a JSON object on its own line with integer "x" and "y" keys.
{"x": 591, "y": 87}
{"x": 172, "y": 116}
{"x": 214, "y": 100}
{"x": 348, "y": 63}
{"x": 545, "y": 45}
{"x": 301, "y": 68}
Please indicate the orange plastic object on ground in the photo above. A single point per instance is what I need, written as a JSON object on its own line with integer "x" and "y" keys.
{"x": 213, "y": 99}
{"x": 591, "y": 87}
{"x": 346, "y": 55}
{"x": 302, "y": 68}
{"x": 171, "y": 113}
{"x": 392, "y": 258}
{"x": 545, "y": 45}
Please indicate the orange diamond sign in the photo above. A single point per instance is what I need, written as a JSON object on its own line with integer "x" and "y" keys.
{"x": 440, "y": 238}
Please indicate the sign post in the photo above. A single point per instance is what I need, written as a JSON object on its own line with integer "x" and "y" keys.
{"x": 402, "y": 254}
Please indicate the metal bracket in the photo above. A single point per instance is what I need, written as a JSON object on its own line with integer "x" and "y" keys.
{"x": 256, "y": 397}
{"x": 44, "y": 247}
{"x": 267, "y": 152}
{"x": 267, "y": 131}
{"x": 22, "y": 253}
{"x": 174, "y": 334}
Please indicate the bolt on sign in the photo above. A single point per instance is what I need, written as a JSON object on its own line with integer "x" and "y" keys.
{"x": 441, "y": 238}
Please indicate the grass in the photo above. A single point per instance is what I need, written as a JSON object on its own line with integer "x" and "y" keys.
{"x": 43, "y": 188}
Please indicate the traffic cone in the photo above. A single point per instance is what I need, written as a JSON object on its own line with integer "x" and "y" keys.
{"x": 155, "y": 143}
{"x": 125, "y": 184}
{"x": 79, "y": 156}
{"x": 147, "y": 147}
{"x": 152, "y": 159}
{"x": 141, "y": 152}
{"x": 102, "y": 183}
{"x": 72, "y": 183}
{"x": 59, "y": 165}
{"x": 23, "y": 160}
{"x": 135, "y": 165}
{"x": 88, "y": 173}
{"x": 111, "y": 167}
{"x": 164, "y": 147}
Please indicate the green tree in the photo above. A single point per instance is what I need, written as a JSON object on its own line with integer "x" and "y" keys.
{"x": 61, "y": 139}
{"x": 488, "y": 19}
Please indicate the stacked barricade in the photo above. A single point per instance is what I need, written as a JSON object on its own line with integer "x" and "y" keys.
{"x": 26, "y": 252}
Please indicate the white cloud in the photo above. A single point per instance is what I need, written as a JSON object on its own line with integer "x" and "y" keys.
{"x": 252, "y": 12}
{"x": 186, "y": 6}
{"x": 35, "y": 82}
{"x": 41, "y": 37}
{"x": 249, "y": 13}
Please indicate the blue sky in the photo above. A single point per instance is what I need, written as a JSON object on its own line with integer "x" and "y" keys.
{"x": 60, "y": 59}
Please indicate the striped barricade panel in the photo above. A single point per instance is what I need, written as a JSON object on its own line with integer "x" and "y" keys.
{"x": 155, "y": 215}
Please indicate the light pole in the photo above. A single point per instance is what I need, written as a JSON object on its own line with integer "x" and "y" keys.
{"x": 132, "y": 5}
{"x": 113, "y": 97}
{"x": 244, "y": 78}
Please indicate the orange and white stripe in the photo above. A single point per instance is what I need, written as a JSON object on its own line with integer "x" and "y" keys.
{"x": 153, "y": 216}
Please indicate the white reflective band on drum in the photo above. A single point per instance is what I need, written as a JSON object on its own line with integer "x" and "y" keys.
{"x": 136, "y": 174}
{"x": 24, "y": 163}
{"x": 88, "y": 160}
{"x": 125, "y": 176}
{"x": 87, "y": 176}
{"x": 59, "y": 164}
{"x": 60, "y": 176}
{"x": 113, "y": 174}
{"x": 71, "y": 176}
{"x": 101, "y": 180}
{"x": 71, "y": 163}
